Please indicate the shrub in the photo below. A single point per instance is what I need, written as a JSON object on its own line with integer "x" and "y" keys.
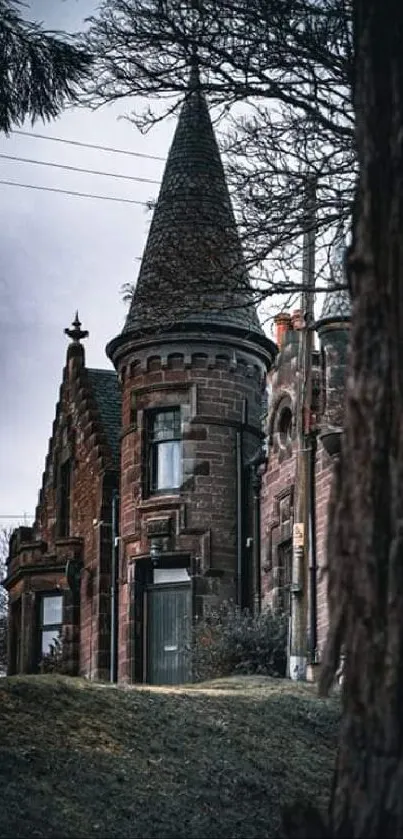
{"x": 230, "y": 640}
{"x": 55, "y": 660}
{"x": 3, "y": 643}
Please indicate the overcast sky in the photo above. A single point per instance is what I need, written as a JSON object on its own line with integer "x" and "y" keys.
{"x": 59, "y": 254}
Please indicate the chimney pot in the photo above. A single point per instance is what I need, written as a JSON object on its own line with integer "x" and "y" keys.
{"x": 297, "y": 319}
{"x": 283, "y": 324}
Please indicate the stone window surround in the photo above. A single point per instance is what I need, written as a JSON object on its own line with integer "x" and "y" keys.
{"x": 48, "y": 627}
{"x": 279, "y": 530}
{"x": 282, "y": 446}
{"x": 159, "y": 397}
{"x": 152, "y": 447}
{"x": 64, "y": 498}
{"x": 279, "y": 536}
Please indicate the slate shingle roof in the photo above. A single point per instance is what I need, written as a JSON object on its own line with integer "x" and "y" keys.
{"x": 336, "y": 306}
{"x": 337, "y": 303}
{"x": 192, "y": 267}
{"x": 107, "y": 393}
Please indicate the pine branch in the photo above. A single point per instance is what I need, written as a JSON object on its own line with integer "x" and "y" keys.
{"x": 39, "y": 71}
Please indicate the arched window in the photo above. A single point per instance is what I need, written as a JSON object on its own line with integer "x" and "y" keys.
{"x": 284, "y": 425}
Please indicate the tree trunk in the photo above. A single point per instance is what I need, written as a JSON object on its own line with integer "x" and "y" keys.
{"x": 366, "y": 562}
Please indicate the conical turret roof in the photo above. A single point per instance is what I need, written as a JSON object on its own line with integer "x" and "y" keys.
{"x": 192, "y": 268}
{"x": 337, "y": 302}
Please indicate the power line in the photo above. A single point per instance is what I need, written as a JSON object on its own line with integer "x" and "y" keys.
{"x": 22, "y": 516}
{"x": 88, "y": 145}
{"x": 75, "y": 193}
{"x": 77, "y": 169}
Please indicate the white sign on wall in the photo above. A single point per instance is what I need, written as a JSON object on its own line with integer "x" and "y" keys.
{"x": 170, "y": 575}
{"x": 298, "y": 535}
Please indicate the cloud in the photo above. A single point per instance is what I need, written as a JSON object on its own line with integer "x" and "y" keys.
{"x": 60, "y": 253}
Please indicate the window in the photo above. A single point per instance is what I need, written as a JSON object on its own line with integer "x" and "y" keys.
{"x": 324, "y": 387}
{"x": 51, "y": 621}
{"x": 284, "y": 558}
{"x": 285, "y": 426}
{"x": 133, "y": 410}
{"x": 164, "y": 450}
{"x": 64, "y": 503}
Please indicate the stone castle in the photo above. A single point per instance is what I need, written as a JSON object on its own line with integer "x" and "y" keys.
{"x": 170, "y": 480}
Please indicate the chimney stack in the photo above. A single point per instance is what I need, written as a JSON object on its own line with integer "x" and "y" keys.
{"x": 282, "y": 324}
{"x": 297, "y": 319}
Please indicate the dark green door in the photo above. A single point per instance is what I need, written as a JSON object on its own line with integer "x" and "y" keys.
{"x": 169, "y": 614}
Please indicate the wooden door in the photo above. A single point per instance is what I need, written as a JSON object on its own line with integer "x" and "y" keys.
{"x": 169, "y": 615}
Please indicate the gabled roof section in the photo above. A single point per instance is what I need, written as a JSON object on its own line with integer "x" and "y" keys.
{"x": 192, "y": 268}
{"x": 106, "y": 390}
{"x": 97, "y": 398}
{"x": 89, "y": 399}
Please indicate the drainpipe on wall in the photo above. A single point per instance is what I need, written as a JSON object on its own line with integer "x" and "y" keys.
{"x": 114, "y": 589}
{"x": 239, "y": 502}
{"x": 313, "y": 623}
{"x": 259, "y": 466}
{"x": 257, "y": 485}
{"x": 239, "y": 505}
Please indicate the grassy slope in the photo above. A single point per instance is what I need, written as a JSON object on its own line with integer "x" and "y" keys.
{"x": 80, "y": 760}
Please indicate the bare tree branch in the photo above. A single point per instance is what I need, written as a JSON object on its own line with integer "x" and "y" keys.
{"x": 280, "y": 72}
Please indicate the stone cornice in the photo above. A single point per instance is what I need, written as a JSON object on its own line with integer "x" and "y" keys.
{"x": 28, "y": 570}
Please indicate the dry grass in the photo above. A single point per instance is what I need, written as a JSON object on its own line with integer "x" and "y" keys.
{"x": 213, "y": 760}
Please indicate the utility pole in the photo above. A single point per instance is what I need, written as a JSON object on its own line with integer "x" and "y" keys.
{"x": 301, "y": 549}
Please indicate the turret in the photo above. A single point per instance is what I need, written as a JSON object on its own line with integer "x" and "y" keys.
{"x": 192, "y": 359}
{"x": 333, "y": 331}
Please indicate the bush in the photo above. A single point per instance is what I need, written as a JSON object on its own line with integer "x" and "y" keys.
{"x": 55, "y": 660}
{"x": 230, "y": 640}
{"x": 3, "y": 643}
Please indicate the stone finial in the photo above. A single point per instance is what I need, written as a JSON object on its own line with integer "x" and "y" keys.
{"x": 194, "y": 75}
{"x": 75, "y": 350}
{"x": 76, "y": 333}
{"x": 337, "y": 263}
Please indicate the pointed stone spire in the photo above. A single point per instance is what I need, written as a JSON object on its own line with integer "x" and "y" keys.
{"x": 194, "y": 75}
{"x": 337, "y": 302}
{"x": 76, "y": 333}
{"x": 75, "y": 349}
{"x": 192, "y": 270}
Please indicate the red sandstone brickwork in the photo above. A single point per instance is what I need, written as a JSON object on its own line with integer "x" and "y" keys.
{"x": 324, "y": 476}
{"x": 213, "y": 391}
{"x": 76, "y": 433}
{"x": 24, "y": 602}
{"x": 279, "y": 490}
{"x": 278, "y": 480}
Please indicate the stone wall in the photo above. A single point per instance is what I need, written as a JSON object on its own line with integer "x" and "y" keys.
{"x": 218, "y": 392}
{"x": 279, "y": 491}
{"x": 39, "y": 565}
{"x": 324, "y": 477}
